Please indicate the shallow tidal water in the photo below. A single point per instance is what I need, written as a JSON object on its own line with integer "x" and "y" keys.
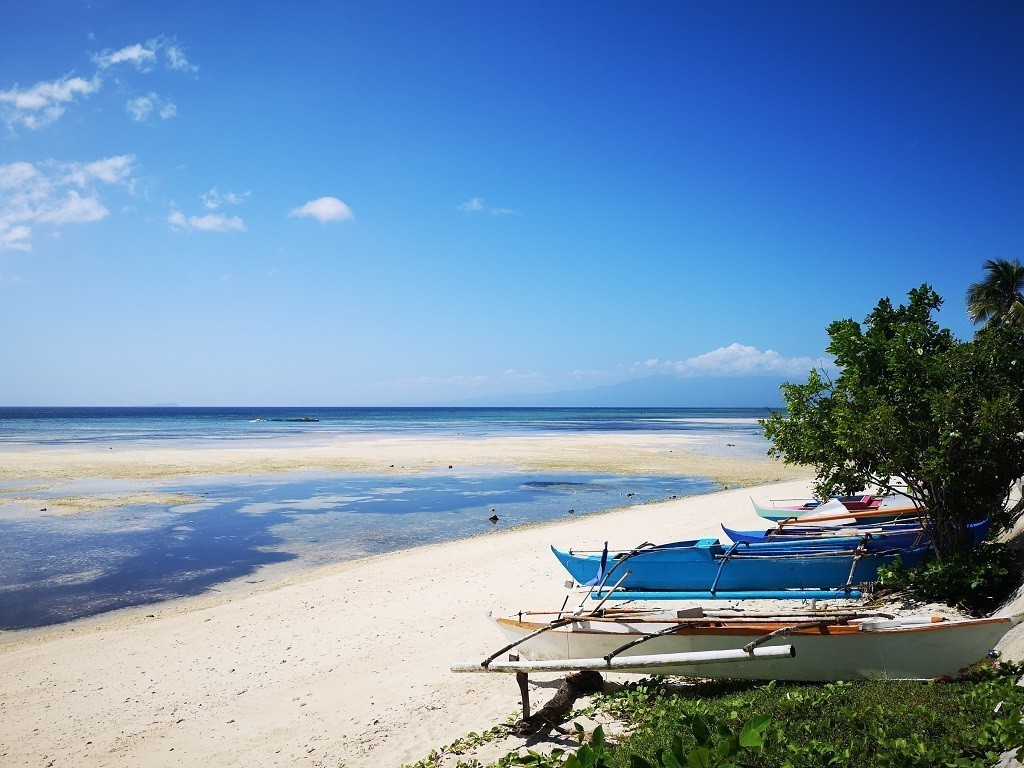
{"x": 57, "y": 568}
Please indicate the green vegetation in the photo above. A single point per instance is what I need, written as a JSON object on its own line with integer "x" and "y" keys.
{"x": 913, "y": 403}
{"x": 722, "y": 724}
{"x": 977, "y": 581}
{"x": 877, "y": 723}
{"x": 999, "y": 298}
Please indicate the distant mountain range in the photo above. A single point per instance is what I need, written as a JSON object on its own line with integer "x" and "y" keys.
{"x": 657, "y": 392}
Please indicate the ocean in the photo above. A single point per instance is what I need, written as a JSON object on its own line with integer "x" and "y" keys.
{"x": 163, "y": 425}
{"x": 243, "y": 529}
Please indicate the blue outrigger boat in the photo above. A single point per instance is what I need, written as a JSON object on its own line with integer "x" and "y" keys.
{"x": 880, "y": 535}
{"x": 707, "y": 568}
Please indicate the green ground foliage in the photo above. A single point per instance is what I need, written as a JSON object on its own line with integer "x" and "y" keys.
{"x": 885, "y": 723}
{"x": 967, "y": 723}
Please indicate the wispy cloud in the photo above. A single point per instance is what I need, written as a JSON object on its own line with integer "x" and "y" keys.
{"x": 733, "y": 360}
{"x": 176, "y": 58}
{"x": 213, "y": 199}
{"x": 43, "y": 103}
{"x": 478, "y": 205}
{"x": 324, "y": 209}
{"x": 141, "y": 108}
{"x": 211, "y": 222}
{"x": 142, "y": 56}
{"x": 54, "y": 194}
{"x": 145, "y": 56}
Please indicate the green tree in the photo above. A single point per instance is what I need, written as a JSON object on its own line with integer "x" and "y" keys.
{"x": 999, "y": 298}
{"x": 912, "y": 404}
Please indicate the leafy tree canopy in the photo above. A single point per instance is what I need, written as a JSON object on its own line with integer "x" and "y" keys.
{"x": 912, "y": 404}
{"x": 999, "y": 297}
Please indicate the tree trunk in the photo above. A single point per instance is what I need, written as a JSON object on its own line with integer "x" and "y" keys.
{"x": 553, "y": 713}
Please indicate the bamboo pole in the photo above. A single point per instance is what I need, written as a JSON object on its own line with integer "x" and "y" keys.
{"x": 627, "y": 663}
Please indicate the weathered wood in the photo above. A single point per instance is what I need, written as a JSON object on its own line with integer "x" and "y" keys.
{"x": 523, "y": 678}
{"x": 552, "y": 714}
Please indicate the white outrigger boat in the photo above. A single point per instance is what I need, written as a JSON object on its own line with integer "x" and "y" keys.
{"x": 827, "y": 647}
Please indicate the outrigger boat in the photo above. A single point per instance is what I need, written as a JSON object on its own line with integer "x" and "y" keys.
{"x": 858, "y": 508}
{"x": 889, "y": 534}
{"x": 833, "y": 646}
{"x": 709, "y": 569}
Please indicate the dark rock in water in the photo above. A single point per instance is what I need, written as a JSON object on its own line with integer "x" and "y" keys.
{"x": 493, "y": 518}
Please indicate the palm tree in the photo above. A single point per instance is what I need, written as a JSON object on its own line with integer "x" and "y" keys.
{"x": 999, "y": 298}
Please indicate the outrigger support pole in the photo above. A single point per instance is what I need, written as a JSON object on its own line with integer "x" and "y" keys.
{"x": 523, "y": 678}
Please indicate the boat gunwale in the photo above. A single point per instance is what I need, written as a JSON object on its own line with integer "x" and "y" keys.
{"x": 698, "y": 626}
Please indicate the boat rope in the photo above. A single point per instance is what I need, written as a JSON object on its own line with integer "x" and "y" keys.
{"x": 749, "y": 647}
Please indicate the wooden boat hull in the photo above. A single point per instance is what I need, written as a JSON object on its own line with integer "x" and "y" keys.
{"x": 841, "y": 651}
{"x": 708, "y": 566}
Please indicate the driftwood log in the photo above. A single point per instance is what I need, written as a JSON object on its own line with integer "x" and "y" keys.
{"x": 552, "y": 714}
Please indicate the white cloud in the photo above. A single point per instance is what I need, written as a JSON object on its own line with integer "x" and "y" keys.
{"x": 473, "y": 204}
{"x": 176, "y": 58}
{"x": 16, "y": 174}
{"x": 479, "y": 205}
{"x": 141, "y": 107}
{"x": 15, "y": 238}
{"x": 211, "y": 222}
{"x": 54, "y": 193}
{"x": 733, "y": 360}
{"x": 45, "y": 102}
{"x": 74, "y": 209}
{"x": 324, "y": 209}
{"x": 213, "y": 199}
{"x": 110, "y": 170}
{"x": 141, "y": 56}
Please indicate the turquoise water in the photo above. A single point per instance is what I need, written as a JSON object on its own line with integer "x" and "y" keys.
{"x": 54, "y": 569}
{"x": 68, "y": 426}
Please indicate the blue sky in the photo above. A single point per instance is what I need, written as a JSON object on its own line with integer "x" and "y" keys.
{"x": 402, "y": 202}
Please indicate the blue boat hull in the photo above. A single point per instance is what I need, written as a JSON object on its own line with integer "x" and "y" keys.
{"x": 763, "y": 594}
{"x": 708, "y": 566}
{"x": 894, "y": 535}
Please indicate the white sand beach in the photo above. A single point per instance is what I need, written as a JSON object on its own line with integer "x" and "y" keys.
{"x": 347, "y": 666}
